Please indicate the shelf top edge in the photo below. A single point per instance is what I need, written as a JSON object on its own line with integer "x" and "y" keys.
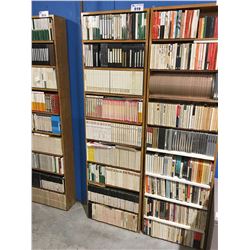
{"x": 103, "y": 12}
{"x": 187, "y": 6}
{"x": 37, "y": 17}
{"x": 115, "y": 41}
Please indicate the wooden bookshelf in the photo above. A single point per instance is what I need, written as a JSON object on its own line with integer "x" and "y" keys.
{"x": 40, "y": 195}
{"x": 123, "y": 97}
{"x": 205, "y": 10}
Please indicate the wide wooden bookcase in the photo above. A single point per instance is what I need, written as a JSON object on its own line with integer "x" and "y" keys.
{"x": 168, "y": 212}
{"x": 52, "y": 144}
{"x": 114, "y": 182}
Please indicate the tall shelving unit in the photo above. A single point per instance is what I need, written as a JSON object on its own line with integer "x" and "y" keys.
{"x": 52, "y": 164}
{"x": 121, "y": 191}
{"x": 154, "y": 204}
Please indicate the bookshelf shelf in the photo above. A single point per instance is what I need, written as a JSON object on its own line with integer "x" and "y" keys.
{"x": 108, "y": 185}
{"x": 176, "y": 179}
{"x": 185, "y": 129}
{"x": 113, "y": 41}
{"x": 113, "y": 207}
{"x": 114, "y": 143}
{"x": 135, "y": 97}
{"x": 112, "y": 166}
{"x": 112, "y": 120}
{"x": 177, "y": 40}
{"x": 110, "y": 68}
{"x": 43, "y": 66}
{"x": 45, "y": 133}
{"x": 188, "y": 204}
{"x": 171, "y": 223}
{"x": 43, "y": 112}
{"x": 45, "y": 171}
{"x": 44, "y": 90}
{"x": 52, "y": 191}
{"x": 172, "y": 152}
{"x": 183, "y": 98}
{"x": 42, "y": 41}
{"x": 51, "y": 147}
{"x": 184, "y": 71}
{"x": 46, "y": 153}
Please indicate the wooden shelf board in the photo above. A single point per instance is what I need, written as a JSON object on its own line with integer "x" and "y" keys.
{"x": 171, "y": 223}
{"x": 187, "y": 6}
{"x": 44, "y": 89}
{"x": 135, "y": 97}
{"x": 112, "y": 120}
{"x": 112, "y": 207}
{"x": 43, "y": 66}
{"x": 185, "y": 129}
{"x": 108, "y": 185}
{"x": 172, "y": 152}
{"x": 46, "y": 133}
{"x": 115, "y": 143}
{"x": 112, "y": 166}
{"x": 176, "y": 40}
{"x": 183, "y": 98}
{"x": 114, "y": 41}
{"x": 112, "y": 68}
{"x": 42, "y": 41}
{"x": 184, "y": 71}
{"x": 38, "y": 17}
{"x": 184, "y": 203}
{"x": 46, "y": 153}
{"x": 45, "y": 171}
{"x": 43, "y": 112}
{"x": 180, "y": 180}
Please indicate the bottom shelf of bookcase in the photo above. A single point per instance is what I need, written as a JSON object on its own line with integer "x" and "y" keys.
{"x": 49, "y": 198}
{"x": 174, "y": 234}
{"x": 113, "y": 216}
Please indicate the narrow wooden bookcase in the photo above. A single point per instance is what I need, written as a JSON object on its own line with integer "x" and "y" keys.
{"x": 109, "y": 190}
{"x": 152, "y": 224}
{"x": 49, "y": 194}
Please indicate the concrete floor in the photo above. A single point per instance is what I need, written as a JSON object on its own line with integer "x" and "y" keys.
{"x": 56, "y": 229}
